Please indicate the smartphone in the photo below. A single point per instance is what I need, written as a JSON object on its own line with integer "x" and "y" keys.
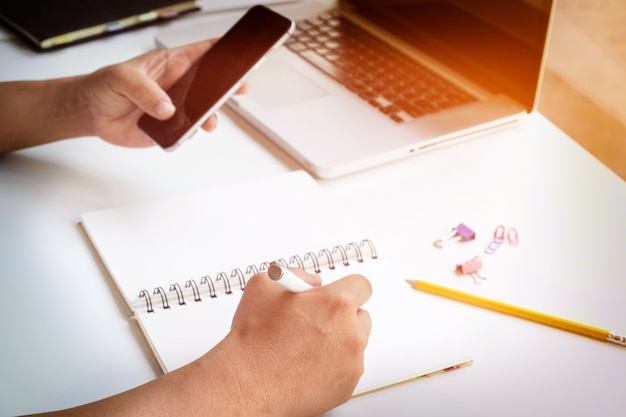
{"x": 218, "y": 74}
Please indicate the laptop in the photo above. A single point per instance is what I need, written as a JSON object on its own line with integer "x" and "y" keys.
{"x": 50, "y": 24}
{"x": 366, "y": 82}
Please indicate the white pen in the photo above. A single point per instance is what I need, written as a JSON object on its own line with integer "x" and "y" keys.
{"x": 286, "y": 278}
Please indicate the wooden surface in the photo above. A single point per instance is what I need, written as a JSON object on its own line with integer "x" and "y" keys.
{"x": 584, "y": 90}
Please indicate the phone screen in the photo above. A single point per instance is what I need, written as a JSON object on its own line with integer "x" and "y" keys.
{"x": 217, "y": 74}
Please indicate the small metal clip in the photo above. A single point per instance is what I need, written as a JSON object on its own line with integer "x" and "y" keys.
{"x": 461, "y": 233}
{"x": 512, "y": 236}
{"x": 499, "y": 236}
{"x": 471, "y": 268}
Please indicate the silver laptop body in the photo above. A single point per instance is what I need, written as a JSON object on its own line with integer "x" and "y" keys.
{"x": 492, "y": 50}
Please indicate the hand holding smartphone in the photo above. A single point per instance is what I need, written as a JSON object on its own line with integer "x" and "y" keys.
{"x": 218, "y": 74}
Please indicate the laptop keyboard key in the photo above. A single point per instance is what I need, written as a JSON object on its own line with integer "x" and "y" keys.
{"x": 401, "y": 88}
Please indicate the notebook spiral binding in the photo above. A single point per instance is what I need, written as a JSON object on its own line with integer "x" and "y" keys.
{"x": 197, "y": 290}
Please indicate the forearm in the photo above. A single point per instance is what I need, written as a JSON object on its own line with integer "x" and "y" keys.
{"x": 37, "y": 112}
{"x": 207, "y": 387}
{"x": 231, "y": 380}
{"x": 286, "y": 355}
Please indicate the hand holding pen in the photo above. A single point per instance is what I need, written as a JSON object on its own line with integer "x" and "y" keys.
{"x": 298, "y": 284}
{"x": 292, "y": 344}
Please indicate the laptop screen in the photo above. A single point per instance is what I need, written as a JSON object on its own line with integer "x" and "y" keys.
{"x": 498, "y": 44}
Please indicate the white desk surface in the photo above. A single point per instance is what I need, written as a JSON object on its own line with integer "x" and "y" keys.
{"x": 66, "y": 341}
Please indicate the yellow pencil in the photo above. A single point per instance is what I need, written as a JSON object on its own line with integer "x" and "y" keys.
{"x": 524, "y": 313}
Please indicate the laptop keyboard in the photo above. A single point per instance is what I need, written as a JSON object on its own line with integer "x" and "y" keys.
{"x": 390, "y": 81}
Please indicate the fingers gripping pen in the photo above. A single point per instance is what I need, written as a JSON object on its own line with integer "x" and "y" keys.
{"x": 286, "y": 278}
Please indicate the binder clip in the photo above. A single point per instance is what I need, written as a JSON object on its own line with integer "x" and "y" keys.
{"x": 471, "y": 268}
{"x": 461, "y": 233}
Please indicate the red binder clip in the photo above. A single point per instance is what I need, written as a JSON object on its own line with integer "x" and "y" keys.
{"x": 471, "y": 268}
{"x": 461, "y": 233}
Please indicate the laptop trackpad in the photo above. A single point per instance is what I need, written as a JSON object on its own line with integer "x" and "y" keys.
{"x": 276, "y": 84}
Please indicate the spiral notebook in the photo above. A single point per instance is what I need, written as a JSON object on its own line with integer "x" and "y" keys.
{"x": 181, "y": 264}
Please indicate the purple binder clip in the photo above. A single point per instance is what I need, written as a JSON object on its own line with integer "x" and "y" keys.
{"x": 461, "y": 233}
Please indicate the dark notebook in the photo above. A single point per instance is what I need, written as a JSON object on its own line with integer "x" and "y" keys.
{"x": 48, "y": 24}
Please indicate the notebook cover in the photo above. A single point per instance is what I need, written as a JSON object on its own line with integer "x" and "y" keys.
{"x": 49, "y": 24}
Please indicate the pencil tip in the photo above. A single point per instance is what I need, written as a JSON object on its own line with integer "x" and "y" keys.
{"x": 411, "y": 282}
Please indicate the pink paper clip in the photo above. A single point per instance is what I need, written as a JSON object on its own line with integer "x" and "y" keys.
{"x": 461, "y": 233}
{"x": 498, "y": 238}
{"x": 471, "y": 268}
{"x": 512, "y": 236}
